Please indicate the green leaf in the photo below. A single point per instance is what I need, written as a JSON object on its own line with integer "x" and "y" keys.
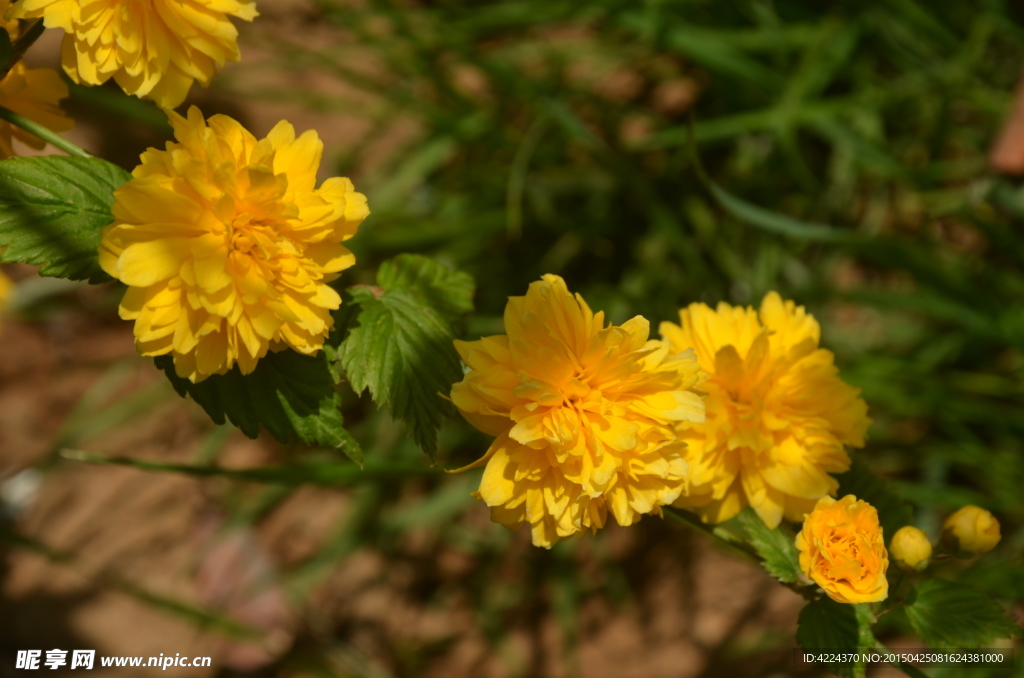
{"x": 449, "y": 292}
{"x": 290, "y": 394}
{"x": 951, "y": 615}
{"x": 831, "y": 627}
{"x": 402, "y": 347}
{"x": 773, "y": 222}
{"x": 402, "y": 351}
{"x": 893, "y": 512}
{"x": 776, "y": 547}
{"x": 52, "y": 210}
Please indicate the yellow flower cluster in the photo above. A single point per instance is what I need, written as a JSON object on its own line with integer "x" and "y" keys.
{"x": 152, "y": 48}
{"x": 583, "y": 415}
{"x": 842, "y": 550}
{"x": 576, "y": 431}
{"x": 227, "y": 245}
{"x": 779, "y": 417}
{"x": 32, "y": 92}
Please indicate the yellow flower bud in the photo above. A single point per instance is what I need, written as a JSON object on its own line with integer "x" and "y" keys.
{"x": 972, "y": 529}
{"x": 910, "y": 549}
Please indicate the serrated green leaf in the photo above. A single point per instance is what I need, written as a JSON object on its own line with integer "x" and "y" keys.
{"x": 402, "y": 351}
{"x": 776, "y": 547}
{"x": 893, "y": 512}
{"x": 449, "y": 292}
{"x": 52, "y": 210}
{"x": 290, "y": 394}
{"x": 950, "y": 615}
{"x": 828, "y": 626}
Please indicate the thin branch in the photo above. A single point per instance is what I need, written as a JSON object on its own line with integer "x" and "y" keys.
{"x": 22, "y": 45}
{"x": 683, "y": 517}
{"x": 43, "y": 133}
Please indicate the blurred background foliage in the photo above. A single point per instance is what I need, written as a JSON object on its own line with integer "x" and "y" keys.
{"x": 843, "y": 161}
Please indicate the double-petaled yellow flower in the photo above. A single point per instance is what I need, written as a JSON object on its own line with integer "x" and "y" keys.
{"x": 778, "y": 416}
{"x": 152, "y": 48}
{"x": 842, "y": 550}
{"x": 32, "y": 92}
{"x": 583, "y": 415}
{"x": 227, "y": 246}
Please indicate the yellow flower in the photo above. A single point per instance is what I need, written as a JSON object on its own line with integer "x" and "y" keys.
{"x": 152, "y": 48}
{"x": 583, "y": 415}
{"x": 778, "y": 416}
{"x": 842, "y": 550}
{"x": 910, "y": 549}
{"x": 32, "y": 92}
{"x": 972, "y": 529}
{"x": 227, "y": 246}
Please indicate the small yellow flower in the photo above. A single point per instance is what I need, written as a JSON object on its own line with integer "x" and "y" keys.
{"x": 152, "y": 48}
{"x": 32, "y": 92}
{"x": 972, "y": 530}
{"x": 227, "y": 246}
{"x": 910, "y": 549}
{"x": 843, "y": 551}
{"x": 583, "y": 415}
{"x": 778, "y": 416}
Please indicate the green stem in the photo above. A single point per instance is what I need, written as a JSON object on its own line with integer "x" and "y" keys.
{"x": 331, "y": 474}
{"x": 22, "y": 45}
{"x": 517, "y": 176}
{"x": 683, "y": 517}
{"x": 43, "y": 133}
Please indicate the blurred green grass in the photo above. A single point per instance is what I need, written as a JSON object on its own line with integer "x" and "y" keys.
{"x": 555, "y": 137}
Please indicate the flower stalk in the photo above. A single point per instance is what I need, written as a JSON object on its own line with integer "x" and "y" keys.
{"x": 43, "y": 133}
{"x": 691, "y": 520}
